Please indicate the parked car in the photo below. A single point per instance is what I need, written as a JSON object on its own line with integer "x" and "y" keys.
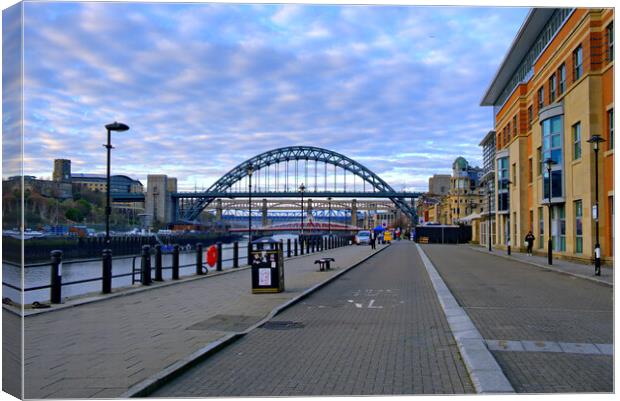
{"x": 362, "y": 238}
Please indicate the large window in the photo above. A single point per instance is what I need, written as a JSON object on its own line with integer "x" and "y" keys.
{"x": 610, "y": 41}
{"x": 530, "y": 172}
{"x": 558, "y": 230}
{"x": 577, "y": 141}
{"x": 530, "y": 115}
{"x": 514, "y": 126}
{"x": 552, "y": 148}
{"x": 502, "y": 180}
{"x": 562, "y": 79}
{"x": 577, "y": 63}
{"x": 578, "y": 227}
{"x": 552, "y": 85}
{"x": 540, "y": 160}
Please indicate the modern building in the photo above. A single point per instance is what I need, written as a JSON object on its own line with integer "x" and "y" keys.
{"x": 551, "y": 93}
{"x": 487, "y": 190}
{"x": 94, "y": 182}
{"x": 464, "y": 196}
{"x": 439, "y": 184}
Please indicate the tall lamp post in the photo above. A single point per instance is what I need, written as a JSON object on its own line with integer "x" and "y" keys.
{"x": 302, "y": 188}
{"x": 115, "y": 126}
{"x": 596, "y": 139}
{"x": 549, "y": 162}
{"x": 250, "y": 171}
{"x": 329, "y": 216}
{"x": 508, "y": 182}
{"x": 489, "y": 212}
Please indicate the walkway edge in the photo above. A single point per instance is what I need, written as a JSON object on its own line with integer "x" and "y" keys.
{"x": 547, "y": 267}
{"x": 484, "y": 371}
{"x": 149, "y": 385}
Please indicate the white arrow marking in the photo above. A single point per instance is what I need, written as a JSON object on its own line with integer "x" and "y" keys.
{"x": 370, "y": 305}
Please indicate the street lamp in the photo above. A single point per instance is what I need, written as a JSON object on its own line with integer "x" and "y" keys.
{"x": 115, "y": 126}
{"x": 250, "y": 171}
{"x": 549, "y": 162}
{"x": 329, "y": 216}
{"x": 596, "y": 139}
{"x": 302, "y": 188}
{"x": 508, "y": 182}
{"x": 489, "y": 212}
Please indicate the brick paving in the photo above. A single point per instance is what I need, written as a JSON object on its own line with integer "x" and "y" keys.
{"x": 101, "y": 349}
{"x": 377, "y": 330}
{"x": 510, "y": 300}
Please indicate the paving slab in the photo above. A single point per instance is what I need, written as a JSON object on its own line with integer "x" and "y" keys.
{"x": 124, "y": 340}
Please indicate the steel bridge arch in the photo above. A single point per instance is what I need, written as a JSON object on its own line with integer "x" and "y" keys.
{"x": 286, "y": 154}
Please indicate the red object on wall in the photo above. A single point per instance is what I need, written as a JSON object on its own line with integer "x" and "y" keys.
{"x": 212, "y": 255}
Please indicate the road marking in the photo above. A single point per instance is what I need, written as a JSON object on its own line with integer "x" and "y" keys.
{"x": 550, "y": 346}
{"x": 370, "y": 305}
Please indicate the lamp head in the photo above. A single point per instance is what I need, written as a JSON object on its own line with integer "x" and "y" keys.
{"x": 302, "y": 187}
{"x": 116, "y": 126}
{"x": 549, "y": 162}
{"x": 250, "y": 169}
{"x": 596, "y": 139}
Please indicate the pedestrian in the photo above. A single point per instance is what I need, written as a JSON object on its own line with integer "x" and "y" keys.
{"x": 529, "y": 239}
{"x": 373, "y": 237}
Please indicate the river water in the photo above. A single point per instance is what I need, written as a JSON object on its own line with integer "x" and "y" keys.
{"x": 39, "y": 275}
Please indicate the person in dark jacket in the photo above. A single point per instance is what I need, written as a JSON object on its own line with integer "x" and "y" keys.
{"x": 529, "y": 239}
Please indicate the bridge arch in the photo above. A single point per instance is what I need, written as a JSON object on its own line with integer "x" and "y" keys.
{"x": 286, "y": 154}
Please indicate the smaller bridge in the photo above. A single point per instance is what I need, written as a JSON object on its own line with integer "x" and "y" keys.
{"x": 310, "y": 226}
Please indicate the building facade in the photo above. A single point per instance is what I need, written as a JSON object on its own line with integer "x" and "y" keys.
{"x": 552, "y": 92}
{"x": 464, "y": 198}
{"x": 487, "y": 190}
{"x": 439, "y": 184}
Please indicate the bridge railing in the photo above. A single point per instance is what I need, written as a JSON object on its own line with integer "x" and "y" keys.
{"x": 53, "y": 281}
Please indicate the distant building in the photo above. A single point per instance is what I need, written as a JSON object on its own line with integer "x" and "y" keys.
{"x": 439, "y": 184}
{"x": 97, "y": 182}
{"x": 487, "y": 185}
{"x": 62, "y": 170}
{"x": 464, "y": 198}
{"x": 158, "y": 200}
{"x": 47, "y": 188}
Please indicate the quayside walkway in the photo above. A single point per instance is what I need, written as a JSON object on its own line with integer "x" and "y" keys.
{"x": 103, "y": 349}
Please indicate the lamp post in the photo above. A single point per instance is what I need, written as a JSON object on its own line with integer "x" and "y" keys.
{"x": 596, "y": 139}
{"x": 250, "y": 171}
{"x": 329, "y": 216}
{"x": 115, "y": 126}
{"x": 302, "y": 188}
{"x": 549, "y": 162}
{"x": 508, "y": 182}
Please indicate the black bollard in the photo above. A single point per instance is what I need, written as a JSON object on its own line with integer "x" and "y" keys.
{"x": 295, "y": 253}
{"x": 288, "y": 248}
{"x": 301, "y": 246}
{"x": 219, "y": 257}
{"x": 56, "y": 277}
{"x": 235, "y": 254}
{"x": 145, "y": 267}
{"x": 106, "y": 282}
{"x": 313, "y": 240}
{"x": 175, "y": 262}
{"x": 158, "y": 265}
{"x": 199, "y": 259}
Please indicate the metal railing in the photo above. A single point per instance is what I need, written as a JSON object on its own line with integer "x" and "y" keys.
{"x": 151, "y": 262}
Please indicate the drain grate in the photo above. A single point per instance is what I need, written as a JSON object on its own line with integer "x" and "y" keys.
{"x": 282, "y": 325}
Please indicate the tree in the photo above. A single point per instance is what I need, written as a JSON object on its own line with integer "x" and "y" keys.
{"x": 74, "y": 214}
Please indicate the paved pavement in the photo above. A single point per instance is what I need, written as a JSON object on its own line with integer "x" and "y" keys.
{"x": 377, "y": 330}
{"x": 101, "y": 349}
{"x": 549, "y": 332}
{"x": 560, "y": 265}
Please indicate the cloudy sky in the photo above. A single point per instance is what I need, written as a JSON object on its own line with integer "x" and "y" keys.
{"x": 205, "y": 87}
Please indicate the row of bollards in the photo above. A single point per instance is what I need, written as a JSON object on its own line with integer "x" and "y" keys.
{"x": 294, "y": 248}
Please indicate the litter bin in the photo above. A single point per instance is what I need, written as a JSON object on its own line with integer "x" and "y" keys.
{"x": 267, "y": 266}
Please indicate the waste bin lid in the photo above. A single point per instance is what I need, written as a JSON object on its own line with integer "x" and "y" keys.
{"x": 265, "y": 240}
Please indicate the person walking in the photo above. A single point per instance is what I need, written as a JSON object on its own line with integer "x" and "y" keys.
{"x": 373, "y": 238}
{"x": 529, "y": 239}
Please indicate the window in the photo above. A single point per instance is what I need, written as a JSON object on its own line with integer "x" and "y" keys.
{"x": 558, "y": 230}
{"x": 541, "y": 228}
{"x": 577, "y": 63}
{"x": 540, "y": 160}
{"x": 508, "y": 130}
{"x": 577, "y": 141}
{"x": 610, "y": 127}
{"x": 502, "y": 181}
{"x": 562, "y": 79}
{"x": 531, "y": 226}
{"x": 552, "y": 89}
{"x": 610, "y": 41}
{"x": 530, "y": 172}
{"x": 578, "y": 227}
{"x": 530, "y": 115}
{"x": 552, "y": 147}
{"x": 541, "y": 97}
{"x": 514, "y": 173}
{"x": 514, "y": 126}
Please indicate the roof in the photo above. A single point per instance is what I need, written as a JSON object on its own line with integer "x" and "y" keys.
{"x": 526, "y": 37}
{"x": 101, "y": 177}
{"x": 490, "y": 135}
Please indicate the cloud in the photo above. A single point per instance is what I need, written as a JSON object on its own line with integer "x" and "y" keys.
{"x": 207, "y": 86}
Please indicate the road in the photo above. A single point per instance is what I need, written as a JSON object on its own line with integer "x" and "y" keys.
{"x": 528, "y": 314}
{"x": 377, "y": 330}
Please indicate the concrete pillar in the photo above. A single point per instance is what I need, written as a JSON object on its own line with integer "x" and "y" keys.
{"x": 366, "y": 223}
{"x": 354, "y": 212}
{"x": 218, "y": 210}
{"x": 264, "y": 209}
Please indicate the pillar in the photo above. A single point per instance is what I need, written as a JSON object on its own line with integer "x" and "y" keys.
{"x": 218, "y": 210}
{"x": 354, "y": 212}
{"x": 264, "y": 210}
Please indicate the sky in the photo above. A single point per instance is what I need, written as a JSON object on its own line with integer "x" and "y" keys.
{"x": 205, "y": 87}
